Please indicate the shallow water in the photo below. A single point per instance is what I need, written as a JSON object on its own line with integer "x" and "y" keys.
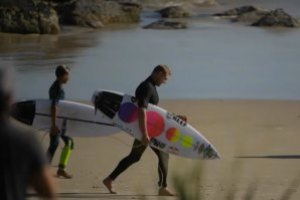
{"x": 212, "y": 59}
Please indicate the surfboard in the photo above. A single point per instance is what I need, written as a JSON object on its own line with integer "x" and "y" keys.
{"x": 168, "y": 132}
{"x": 77, "y": 119}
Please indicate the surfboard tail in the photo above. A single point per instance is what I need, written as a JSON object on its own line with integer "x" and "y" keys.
{"x": 107, "y": 102}
{"x": 24, "y": 111}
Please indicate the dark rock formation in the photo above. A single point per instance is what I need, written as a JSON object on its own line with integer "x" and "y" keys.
{"x": 163, "y": 24}
{"x": 95, "y": 13}
{"x": 277, "y": 17}
{"x": 28, "y": 16}
{"x": 173, "y": 12}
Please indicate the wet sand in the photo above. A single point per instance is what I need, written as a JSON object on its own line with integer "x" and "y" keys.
{"x": 258, "y": 141}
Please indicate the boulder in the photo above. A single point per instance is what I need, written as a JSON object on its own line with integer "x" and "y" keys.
{"x": 239, "y": 11}
{"x": 277, "y": 17}
{"x": 28, "y": 17}
{"x": 250, "y": 17}
{"x": 173, "y": 12}
{"x": 95, "y": 13}
{"x": 163, "y": 24}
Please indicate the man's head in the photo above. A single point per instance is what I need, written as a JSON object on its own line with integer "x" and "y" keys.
{"x": 161, "y": 74}
{"x": 6, "y": 89}
{"x": 62, "y": 73}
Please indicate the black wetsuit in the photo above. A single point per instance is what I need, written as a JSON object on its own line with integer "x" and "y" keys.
{"x": 145, "y": 93}
{"x": 57, "y": 93}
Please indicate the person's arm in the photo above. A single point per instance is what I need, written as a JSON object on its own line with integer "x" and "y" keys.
{"x": 53, "y": 115}
{"x": 143, "y": 98}
{"x": 143, "y": 125}
{"x": 43, "y": 182}
{"x": 54, "y": 112}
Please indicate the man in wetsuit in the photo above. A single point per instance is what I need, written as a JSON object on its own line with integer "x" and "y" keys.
{"x": 22, "y": 163}
{"x": 146, "y": 93}
{"x": 56, "y": 93}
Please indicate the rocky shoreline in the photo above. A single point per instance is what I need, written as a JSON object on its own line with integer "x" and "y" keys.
{"x": 47, "y": 17}
{"x": 261, "y": 17}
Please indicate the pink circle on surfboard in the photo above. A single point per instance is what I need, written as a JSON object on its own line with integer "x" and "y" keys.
{"x": 155, "y": 124}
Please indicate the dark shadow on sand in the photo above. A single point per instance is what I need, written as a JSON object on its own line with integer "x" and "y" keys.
{"x": 272, "y": 157}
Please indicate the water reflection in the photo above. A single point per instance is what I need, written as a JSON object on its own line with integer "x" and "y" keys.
{"x": 32, "y": 52}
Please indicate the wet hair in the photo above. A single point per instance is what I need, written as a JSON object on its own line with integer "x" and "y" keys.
{"x": 61, "y": 70}
{"x": 162, "y": 68}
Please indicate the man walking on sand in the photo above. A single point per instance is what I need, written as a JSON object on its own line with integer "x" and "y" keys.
{"x": 146, "y": 93}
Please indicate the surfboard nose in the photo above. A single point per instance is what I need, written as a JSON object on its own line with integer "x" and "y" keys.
{"x": 24, "y": 112}
{"x": 216, "y": 155}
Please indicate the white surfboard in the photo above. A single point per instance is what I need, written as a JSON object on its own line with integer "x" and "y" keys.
{"x": 77, "y": 119}
{"x": 167, "y": 131}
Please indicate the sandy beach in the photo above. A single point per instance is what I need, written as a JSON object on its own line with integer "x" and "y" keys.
{"x": 214, "y": 59}
{"x": 258, "y": 141}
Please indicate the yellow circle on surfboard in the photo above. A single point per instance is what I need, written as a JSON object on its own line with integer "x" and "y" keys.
{"x": 187, "y": 141}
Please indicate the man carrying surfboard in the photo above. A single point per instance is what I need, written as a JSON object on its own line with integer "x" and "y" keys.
{"x": 146, "y": 93}
{"x": 56, "y": 93}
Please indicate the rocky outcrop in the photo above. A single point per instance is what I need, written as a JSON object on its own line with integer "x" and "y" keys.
{"x": 41, "y": 16}
{"x": 277, "y": 18}
{"x": 237, "y": 11}
{"x": 247, "y": 14}
{"x": 163, "y": 24}
{"x": 260, "y": 17}
{"x": 95, "y": 13}
{"x": 28, "y": 16}
{"x": 173, "y": 12}
{"x": 250, "y": 17}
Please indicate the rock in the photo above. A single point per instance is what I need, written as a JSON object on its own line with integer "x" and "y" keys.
{"x": 173, "y": 12}
{"x": 163, "y": 24}
{"x": 250, "y": 17}
{"x": 95, "y": 13}
{"x": 260, "y": 17}
{"x": 277, "y": 17}
{"x": 239, "y": 11}
{"x": 28, "y": 16}
{"x": 246, "y": 14}
{"x": 18, "y": 3}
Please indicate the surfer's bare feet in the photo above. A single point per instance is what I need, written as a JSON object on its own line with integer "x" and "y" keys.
{"x": 108, "y": 184}
{"x": 64, "y": 174}
{"x": 164, "y": 191}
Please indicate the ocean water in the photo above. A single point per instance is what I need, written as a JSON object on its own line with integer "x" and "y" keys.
{"x": 213, "y": 59}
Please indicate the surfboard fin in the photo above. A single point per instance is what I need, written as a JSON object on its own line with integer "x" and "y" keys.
{"x": 108, "y": 103}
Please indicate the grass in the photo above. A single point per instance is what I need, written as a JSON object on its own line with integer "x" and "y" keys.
{"x": 189, "y": 186}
